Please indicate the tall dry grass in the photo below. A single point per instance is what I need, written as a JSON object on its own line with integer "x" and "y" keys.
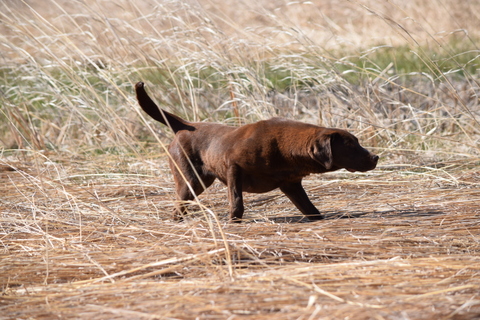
{"x": 68, "y": 69}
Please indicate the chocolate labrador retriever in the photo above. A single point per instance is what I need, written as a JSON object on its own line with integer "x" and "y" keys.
{"x": 256, "y": 157}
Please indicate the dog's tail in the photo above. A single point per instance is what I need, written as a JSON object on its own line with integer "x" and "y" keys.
{"x": 168, "y": 119}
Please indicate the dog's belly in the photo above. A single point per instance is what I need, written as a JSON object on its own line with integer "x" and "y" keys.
{"x": 265, "y": 183}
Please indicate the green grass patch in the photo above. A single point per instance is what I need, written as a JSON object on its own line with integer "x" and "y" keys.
{"x": 459, "y": 61}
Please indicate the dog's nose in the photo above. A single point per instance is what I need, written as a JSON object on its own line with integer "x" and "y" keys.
{"x": 374, "y": 158}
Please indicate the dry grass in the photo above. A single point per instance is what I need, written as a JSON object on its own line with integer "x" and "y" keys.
{"x": 86, "y": 194}
{"x": 68, "y": 70}
{"x": 396, "y": 245}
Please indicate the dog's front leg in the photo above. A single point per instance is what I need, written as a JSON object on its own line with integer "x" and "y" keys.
{"x": 235, "y": 196}
{"x": 296, "y": 194}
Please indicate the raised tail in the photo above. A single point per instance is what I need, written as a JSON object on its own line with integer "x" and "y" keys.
{"x": 168, "y": 119}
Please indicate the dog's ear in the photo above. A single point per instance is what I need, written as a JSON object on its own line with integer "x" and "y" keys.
{"x": 322, "y": 150}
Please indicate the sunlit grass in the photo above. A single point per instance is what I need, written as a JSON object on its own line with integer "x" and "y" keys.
{"x": 67, "y": 79}
{"x": 86, "y": 193}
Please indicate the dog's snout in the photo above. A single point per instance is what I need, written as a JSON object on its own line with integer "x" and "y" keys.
{"x": 375, "y": 158}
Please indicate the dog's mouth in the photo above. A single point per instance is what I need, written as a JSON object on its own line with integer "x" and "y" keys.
{"x": 358, "y": 170}
{"x": 364, "y": 167}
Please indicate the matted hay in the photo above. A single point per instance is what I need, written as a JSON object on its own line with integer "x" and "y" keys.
{"x": 398, "y": 243}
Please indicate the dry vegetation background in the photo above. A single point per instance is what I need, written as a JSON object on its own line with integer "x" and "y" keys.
{"x": 86, "y": 194}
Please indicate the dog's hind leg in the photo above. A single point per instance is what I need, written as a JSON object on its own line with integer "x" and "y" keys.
{"x": 188, "y": 185}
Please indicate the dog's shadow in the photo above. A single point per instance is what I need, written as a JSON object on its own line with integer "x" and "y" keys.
{"x": 335, "y": 215}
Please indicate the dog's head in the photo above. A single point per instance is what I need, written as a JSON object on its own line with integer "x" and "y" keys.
{"x": 337, "y": 149}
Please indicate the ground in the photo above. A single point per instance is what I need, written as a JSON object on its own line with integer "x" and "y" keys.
{"x": 93, "y": 238}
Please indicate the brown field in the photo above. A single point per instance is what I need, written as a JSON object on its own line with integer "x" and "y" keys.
{"x": 86, "y": 193}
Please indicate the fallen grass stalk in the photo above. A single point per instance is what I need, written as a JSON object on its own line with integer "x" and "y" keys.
{"x": 334, "y": 297}
{"x": 175, "y": 260}
{"x": 442, "y": 291}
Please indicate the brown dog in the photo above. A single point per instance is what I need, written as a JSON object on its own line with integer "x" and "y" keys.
{"x": 257, "y": 157}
